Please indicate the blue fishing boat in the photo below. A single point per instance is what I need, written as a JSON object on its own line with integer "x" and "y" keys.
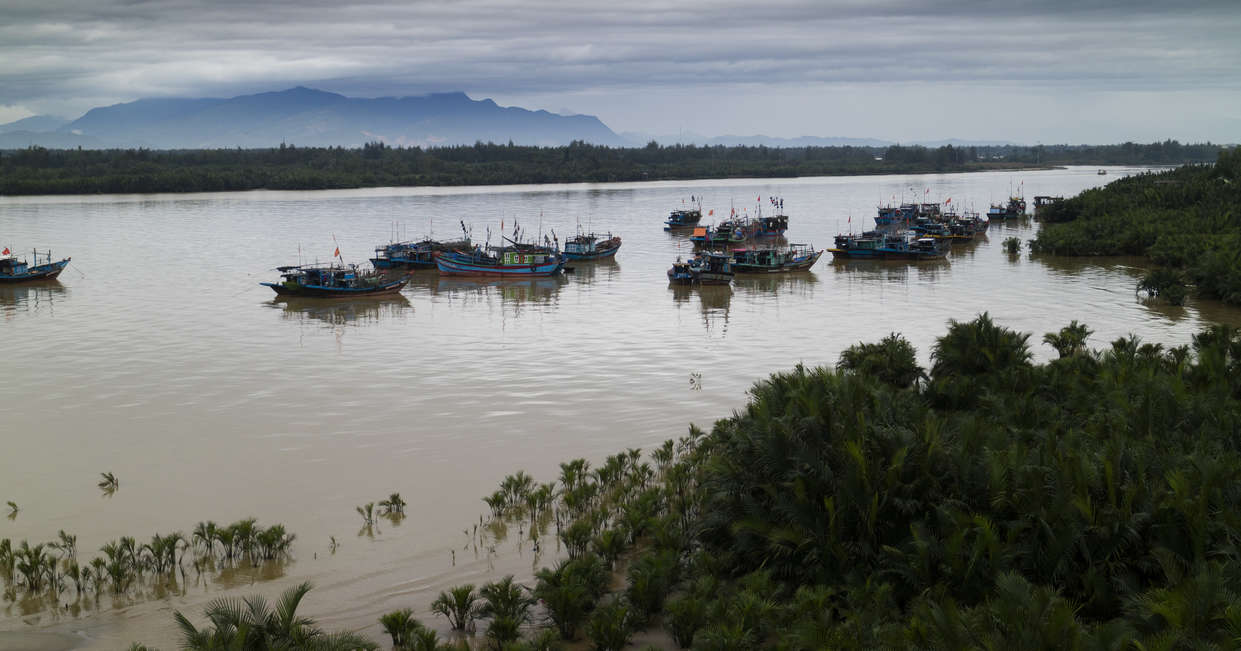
{"x": 796, "y": 257}
{"x": 17, "y": 270}
{"x": 681, "y": 219}
{"x": 890, "y": 246}
{"x": 525, "y": 261}
{"x": 591, "y": 246}
{"x": 333, "y": 281}
{"x": 893, "y": 215}
{"x": 708, "y": 268}
{"x": 1015, "y": 208}
{"x": 773, "y": 226}
{"x": 413, "y": 255}
{"x": 729, "y": 231}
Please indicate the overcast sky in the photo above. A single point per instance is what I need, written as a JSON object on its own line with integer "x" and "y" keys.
{"x": 1059, "y": 71}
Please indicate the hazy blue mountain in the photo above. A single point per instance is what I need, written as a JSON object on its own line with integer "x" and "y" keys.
{"x": 305, "y": 116}
{"x": 34, "y": 123}
{"x": 49, "y": 139}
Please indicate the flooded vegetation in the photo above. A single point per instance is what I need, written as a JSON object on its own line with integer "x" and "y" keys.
{"x": 53, "y": 576}
{"x": 167, "y": 366}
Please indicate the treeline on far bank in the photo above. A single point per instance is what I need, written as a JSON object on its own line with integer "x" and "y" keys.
{"x": 1187, "y": 220}
{"x": 37, "y": 170}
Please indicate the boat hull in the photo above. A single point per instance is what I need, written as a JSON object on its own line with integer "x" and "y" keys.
{"x": 800, "y": 264}
{"x": 880, "y": 254}
{"x": 320, "y": 291}
{"x": 39, "y": 272}
{"x": 402, "y": 263}
{"x": 598, "y": 254}
{"x": 462, "y": 267}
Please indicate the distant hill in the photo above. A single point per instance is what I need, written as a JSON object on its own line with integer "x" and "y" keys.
{"x": 309, "y": 117}
{"x": 49, "y": 139}
{"x": 34, "y": 123}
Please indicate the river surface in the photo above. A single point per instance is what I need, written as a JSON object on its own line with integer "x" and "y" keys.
{"x": 158, "y": 357}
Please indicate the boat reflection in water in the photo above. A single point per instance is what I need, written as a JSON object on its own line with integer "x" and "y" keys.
{"x": 587, "y": 272}
{"x": 36, "y": 296}
{"x": 798, "y": 283}
{"x": 879, "y": 271}
{"x": 713, "y": 302}
{"x": 515, "y": 292}
{"x": 342, "y": 312}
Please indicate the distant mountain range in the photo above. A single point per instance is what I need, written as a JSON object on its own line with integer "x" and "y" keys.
{"x": 308, "y": 117}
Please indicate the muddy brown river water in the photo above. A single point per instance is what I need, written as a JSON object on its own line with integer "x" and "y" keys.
{"x": 158, "y": 357}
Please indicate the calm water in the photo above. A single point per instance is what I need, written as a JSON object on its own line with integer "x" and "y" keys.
{"x": 159, "y": 357}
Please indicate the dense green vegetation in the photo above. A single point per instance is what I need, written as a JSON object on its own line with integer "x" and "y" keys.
{"x": 1187, "y": 220}
{"x": 992, "y": 502}
{"x": 989, "y": 502}
{"x": 37, "y": 170}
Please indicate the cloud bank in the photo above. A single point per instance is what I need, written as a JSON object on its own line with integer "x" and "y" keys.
{"x": 1019, "y": 70}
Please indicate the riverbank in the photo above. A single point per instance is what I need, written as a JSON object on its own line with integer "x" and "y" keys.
{"x": 165, "y": 363}
{"x": 37, "y": 171}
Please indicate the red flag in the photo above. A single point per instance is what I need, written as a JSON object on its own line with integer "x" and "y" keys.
{"x": 948, "y": 201}
{"x": 759, "y": 199}
{"x": 928, "y": 191}
{"x": 711, "y": 212}
{"x": 6, "y": 250}
{"x": 337, "y": 253}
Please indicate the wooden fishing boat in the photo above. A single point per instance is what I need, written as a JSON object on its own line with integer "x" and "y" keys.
{"x": 516, "y": 262}
{"x": 414, "y": 255}
{"x": 708, "y": 268}
{"x": 682, "y": 219}
{"x": 773, "y": 226}
{"x": 333, "y": 281}
{"x": 591, "y": 246}
{"x": 17, "y": 270}
{"x": 887, "y": 246}
{"x": 729, "y": 231}
{"x": 680, "y": 273}
{"x": 796, "y": 257}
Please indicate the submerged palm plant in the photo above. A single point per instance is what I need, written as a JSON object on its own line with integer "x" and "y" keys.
{"x": 459, "y": 604}
{"x": 367, "y": 511}
{"x": 401, "y": 626}
{"x": 251, "y": 623}
{"x": 12, "y": 510}
{"x": 109, "y": 483}
{"x": 394, "y": 505}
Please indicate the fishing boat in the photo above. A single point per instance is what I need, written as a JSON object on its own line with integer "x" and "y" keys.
{"x": 333, "y": 281}
{"x": 796, "y": 257}
{"x": 1042, "y": 203}
{"x": 413, "y": 255}
{"x": 1015, "y": 208}
{"x": 591, "y": 246}
{"x": 890, "y": 246}
{"x": 518, "y": 261}
{"x": 17, "y": 270}
{"x": 729, "y": 231}
{"x": 708, "y": 268}
{"x": 773, "y": 226}
{"x": 684, "y": 218}
{"x": 1102, "y": 172}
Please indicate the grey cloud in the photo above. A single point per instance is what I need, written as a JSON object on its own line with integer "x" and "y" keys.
{"x": 64, "y": 52}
